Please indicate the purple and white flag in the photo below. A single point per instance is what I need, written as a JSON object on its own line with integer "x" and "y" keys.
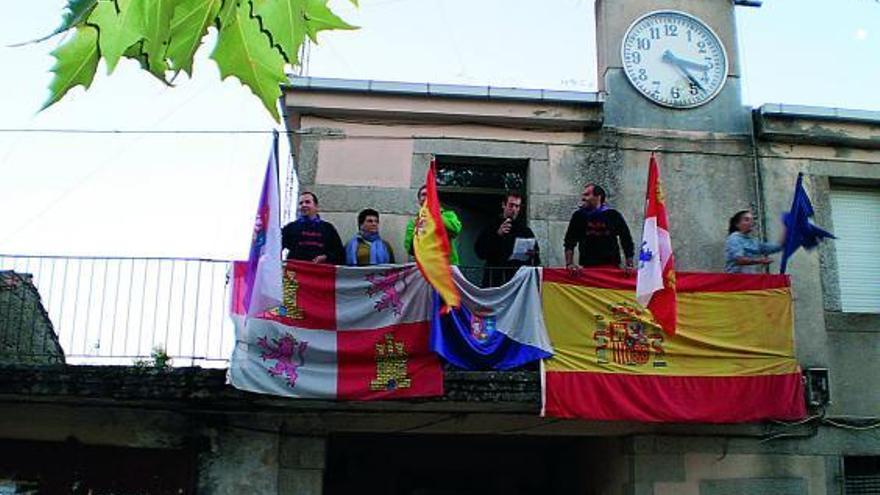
{"x": 262, "y": 283}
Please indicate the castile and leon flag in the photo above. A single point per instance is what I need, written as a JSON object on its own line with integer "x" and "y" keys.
{"x": 348, "y": 333}
{"x": 655, "y": 284}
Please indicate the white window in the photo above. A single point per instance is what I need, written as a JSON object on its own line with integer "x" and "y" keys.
{"x": 856, "y": 216}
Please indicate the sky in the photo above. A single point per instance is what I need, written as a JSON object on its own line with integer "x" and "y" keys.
{"x": 193, "y": 194}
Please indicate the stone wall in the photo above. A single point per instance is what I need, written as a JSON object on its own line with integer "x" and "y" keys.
{"x": 26, "y": 333}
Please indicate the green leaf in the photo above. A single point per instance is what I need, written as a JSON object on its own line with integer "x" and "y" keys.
{"x": 75, "y": 63}
{"x": 117, "y": 31}
{"x": 227, "y": 13}
{"x": 285, "y": 21}
{"x": 244, "y": 51}
{"x": 157, "y": 31}
{"x": 77, "y": 11}
{"x": 319, "y": 17}
{"x": 136, "y": 52}
{"x": 188, "y": 26}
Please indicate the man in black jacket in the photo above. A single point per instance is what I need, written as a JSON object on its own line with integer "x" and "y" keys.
{"x": 599, "y": 233}
{"x": 309, "y": 238}
{"x": 495, "y": 244}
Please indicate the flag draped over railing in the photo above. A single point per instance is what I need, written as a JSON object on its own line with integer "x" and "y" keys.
{"x": 262, "y": 281}
{"x": 731, "y": 360}
{"x": 800, "y": 232}
{"x": 431, "y": 243}
{"x": 496, "y": 328}
{"x": 348, "y": 333}
{"x": 655, "y": 286}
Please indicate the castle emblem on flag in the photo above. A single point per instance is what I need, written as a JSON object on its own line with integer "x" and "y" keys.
{"x": 388, "y": 284}
{"x": 391, "y": 362}
{"x": 630, "y": 338}
{"x": 482, "y": 327}
{"x": 288, "y": 353}
{"x": 288, "y": 308}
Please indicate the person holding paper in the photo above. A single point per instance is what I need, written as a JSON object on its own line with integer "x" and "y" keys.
{"x": 506, "y": 244}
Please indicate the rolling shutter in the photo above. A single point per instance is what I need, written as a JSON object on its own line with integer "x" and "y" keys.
{"x": 856, "y": 216}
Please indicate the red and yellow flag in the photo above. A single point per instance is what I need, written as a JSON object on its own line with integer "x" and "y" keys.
{"x": 431, "y": 244}
{"x": 731, "y": 359}
{"x": 655, "y": 283}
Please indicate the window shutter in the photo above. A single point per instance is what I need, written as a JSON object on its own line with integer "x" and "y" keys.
{"x": 856, "y": 216}
{"x": 861, "y": 475}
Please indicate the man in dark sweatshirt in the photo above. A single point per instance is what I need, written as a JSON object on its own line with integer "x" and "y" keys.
{"x": 309, "y": 238}
{"x": 496, "y": 241}
{"x": 599, "y": 233}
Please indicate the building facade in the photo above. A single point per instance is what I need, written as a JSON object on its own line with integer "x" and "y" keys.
{"x": 360, "y": 144}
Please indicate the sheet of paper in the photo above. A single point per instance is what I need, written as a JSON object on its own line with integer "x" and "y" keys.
{"x": 521, "y": 248}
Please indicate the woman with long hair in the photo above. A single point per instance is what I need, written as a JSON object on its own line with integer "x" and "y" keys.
{"x": 744, "y": 253}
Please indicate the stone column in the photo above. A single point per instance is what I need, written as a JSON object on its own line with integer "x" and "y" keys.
{"x": 301, "y": 465}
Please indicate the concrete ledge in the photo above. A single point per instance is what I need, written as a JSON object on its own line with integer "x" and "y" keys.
{"x": 425, "y": 103}
{"x": 836, "y": 321}
{"x": 517, "y": 391}
{"x": 817, "y": 126}
{"x": 440, "y": 90}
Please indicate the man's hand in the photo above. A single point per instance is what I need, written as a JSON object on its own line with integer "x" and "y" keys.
{"x": 505, "y": 227}
{"x": 573, "y": 270}
{"x": 321, "y": 258}
{"x": 628, "y": 268}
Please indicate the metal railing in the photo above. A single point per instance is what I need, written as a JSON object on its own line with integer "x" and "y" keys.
{"x": 119, "y": 310}
{"x": 116, "y": 310}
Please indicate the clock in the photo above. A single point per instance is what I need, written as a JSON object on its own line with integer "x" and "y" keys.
{"x": 674, "y": 59}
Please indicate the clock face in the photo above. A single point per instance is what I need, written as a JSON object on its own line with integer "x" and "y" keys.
{"x": 674, "y": 59}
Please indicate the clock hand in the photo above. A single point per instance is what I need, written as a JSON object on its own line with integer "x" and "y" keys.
{"x": 691, "y": 78}
{"x": 679, "y": 64}
{"x": 671, "y": 58}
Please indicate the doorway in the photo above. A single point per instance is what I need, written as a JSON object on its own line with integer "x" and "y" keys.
{"x": 474, "y": 188}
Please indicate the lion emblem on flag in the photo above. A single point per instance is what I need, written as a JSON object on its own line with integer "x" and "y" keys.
{"x": 288, "y": 353}
{"x": 388, "y": 284}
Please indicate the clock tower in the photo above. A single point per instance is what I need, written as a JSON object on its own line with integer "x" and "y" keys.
{"x": 670, "y": 64}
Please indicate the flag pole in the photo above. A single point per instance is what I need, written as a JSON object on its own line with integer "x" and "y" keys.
{"x": 275, "y": 138}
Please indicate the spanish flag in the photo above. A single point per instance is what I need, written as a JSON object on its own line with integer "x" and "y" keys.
{"x": 731, "y": 360}
{"x": 431, "y": 244}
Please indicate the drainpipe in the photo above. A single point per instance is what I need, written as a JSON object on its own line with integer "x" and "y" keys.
{"x": 759, "y": 176}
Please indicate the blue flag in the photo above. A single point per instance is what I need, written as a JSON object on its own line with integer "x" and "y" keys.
{"x": 497, "y": 328}
{"x": 800, "y": 231}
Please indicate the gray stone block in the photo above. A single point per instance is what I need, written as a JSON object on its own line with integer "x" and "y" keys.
{"x": 624, "y": 107}
{"x": 754, "y": 486}
{"x": 487, "y": 149}
{"x": 307, "y": 161}
{"x": 638, "y": 489}
{"x": 300, "y": 481}
{"x": 303, "y": 452}
{"x": 658, "y": 467}
{"x": 420, "y": 164}
{"x": 539, "y": 177}
{"x": 552, "y": 207}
